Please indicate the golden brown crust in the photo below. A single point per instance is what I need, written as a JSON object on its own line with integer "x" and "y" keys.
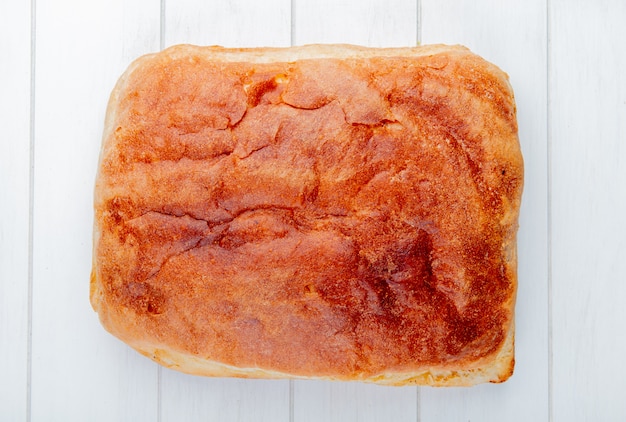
{"x": 330, "y": 212}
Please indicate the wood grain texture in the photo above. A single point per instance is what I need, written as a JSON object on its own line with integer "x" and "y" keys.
{"x": 192, "y": 398}
{"x": 15, "y": 65}
{"x": 230, "y": 23}
{"x": 513, "y": 36}
{"x": 339, "y": 402}
{"x": 588, "y": 131}
{"x": 368, "y": 22}
{"x": 79, "y": 372}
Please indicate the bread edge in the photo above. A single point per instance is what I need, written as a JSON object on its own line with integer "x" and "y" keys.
{"x": 489, "y": 369}
{"x": 496, "y": 371}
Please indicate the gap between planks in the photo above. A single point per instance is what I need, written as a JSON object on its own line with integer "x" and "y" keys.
{"x": 31, "y": 208}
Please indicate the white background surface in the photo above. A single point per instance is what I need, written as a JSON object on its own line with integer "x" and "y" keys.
{"x": 59, "y": 60}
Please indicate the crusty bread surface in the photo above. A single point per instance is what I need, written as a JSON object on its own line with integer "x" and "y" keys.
{"x": 319, "y": 212}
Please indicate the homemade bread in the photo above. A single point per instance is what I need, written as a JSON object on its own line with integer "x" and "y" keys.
{"x": 328, "y": 211}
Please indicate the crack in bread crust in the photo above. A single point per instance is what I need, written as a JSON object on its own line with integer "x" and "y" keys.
{"x": 327, "y": 217}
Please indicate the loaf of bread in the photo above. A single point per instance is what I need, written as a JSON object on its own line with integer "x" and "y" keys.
{"x": 319, "y": 212}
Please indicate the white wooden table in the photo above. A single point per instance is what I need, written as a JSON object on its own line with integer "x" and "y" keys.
{"x": 59, "y": 60}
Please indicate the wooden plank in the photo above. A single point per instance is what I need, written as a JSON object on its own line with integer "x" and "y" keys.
{"x": 512, "y": 35}
{"x": 79, "y": 372}
{"x": 192, "y": 398}
{"x": 342, "y": 401}
{"x": 588, "y": 132}
{"x": 233, "y": 23}
{"x": 230, "y": 23}
{"x": 15, "y": 103}
{"x": 371, "y": 23}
